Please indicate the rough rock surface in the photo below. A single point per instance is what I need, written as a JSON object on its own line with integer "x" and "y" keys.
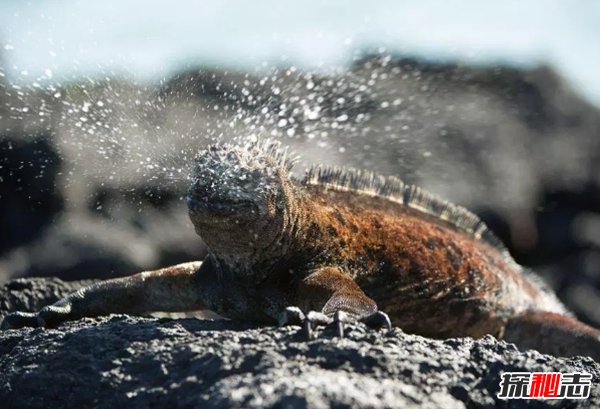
{"x": 123, "y": 361}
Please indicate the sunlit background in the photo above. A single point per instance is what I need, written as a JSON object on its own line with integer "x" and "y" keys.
{"x": 152, "y": 39}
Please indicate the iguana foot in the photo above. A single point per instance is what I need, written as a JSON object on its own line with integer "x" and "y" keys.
{"x": 377, "y": 320}
{"x": 291, "y": 316}
{"x": 17, "y": 320}
{"x": 295, "y": 316}
{"x": 48, "y": 317}
{"x": 314, "y": 319}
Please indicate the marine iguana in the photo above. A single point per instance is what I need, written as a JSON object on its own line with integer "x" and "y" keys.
{"x": 336, "y": 246}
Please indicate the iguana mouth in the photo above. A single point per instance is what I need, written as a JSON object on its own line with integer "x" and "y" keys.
{"x": 218, "y": 208}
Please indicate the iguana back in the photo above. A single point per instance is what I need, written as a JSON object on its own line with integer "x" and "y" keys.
{"x": 434, "y": 267}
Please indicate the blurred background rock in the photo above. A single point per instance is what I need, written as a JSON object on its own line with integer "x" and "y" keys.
{"x": 94, "y": 160}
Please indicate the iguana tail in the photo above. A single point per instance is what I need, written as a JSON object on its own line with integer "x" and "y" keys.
{"x": 553, "y": 333}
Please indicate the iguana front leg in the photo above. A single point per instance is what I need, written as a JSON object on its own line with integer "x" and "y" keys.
{"x": 174, "y": 288}
{"x": 331, "y": 296}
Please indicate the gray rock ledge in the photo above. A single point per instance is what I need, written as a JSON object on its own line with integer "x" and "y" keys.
{"x": 130, "y": 362}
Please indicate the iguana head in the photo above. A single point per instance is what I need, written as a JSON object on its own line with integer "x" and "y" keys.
{"x": 241, "y": 199}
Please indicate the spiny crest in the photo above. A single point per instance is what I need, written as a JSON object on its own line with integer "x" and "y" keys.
{"x": 273, "y": 149}
{"x": 257, "y": 154}
{"x": 394, "y": 190}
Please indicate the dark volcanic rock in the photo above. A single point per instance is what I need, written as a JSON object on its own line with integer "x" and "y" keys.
{"x": 29, "y": 198}
{"x": 148, "y": 362}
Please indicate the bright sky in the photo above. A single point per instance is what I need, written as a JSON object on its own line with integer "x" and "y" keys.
{"x": 150, "y": 39}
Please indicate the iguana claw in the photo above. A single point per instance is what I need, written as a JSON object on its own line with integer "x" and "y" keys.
{"x": 378, "y": 319}
{"x": 291, "y": 316}
{"x": 295, "y": 316}
{"x": 314, "y": 318}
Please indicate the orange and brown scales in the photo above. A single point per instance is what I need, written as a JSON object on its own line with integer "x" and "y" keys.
{"x": 352, "y": 241}
{"x": 428, "y": 275}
